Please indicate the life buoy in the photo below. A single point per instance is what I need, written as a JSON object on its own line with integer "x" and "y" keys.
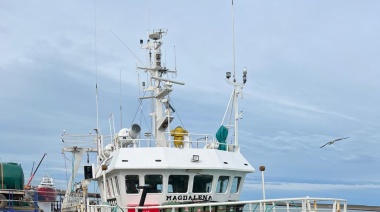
{"x": 178, "y": 136}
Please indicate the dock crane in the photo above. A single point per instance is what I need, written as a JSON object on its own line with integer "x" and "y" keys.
{"x": 27, "y": 186}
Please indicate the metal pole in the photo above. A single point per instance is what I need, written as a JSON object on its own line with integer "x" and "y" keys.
{"x": 262, "y": 169}
{"x": 104, "y": 199}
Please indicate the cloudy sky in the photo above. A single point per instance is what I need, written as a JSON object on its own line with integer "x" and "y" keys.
{"x": 312, "y": 77}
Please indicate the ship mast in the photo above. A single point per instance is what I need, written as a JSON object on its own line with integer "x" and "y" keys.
{"x": 160, "y": 87}
{"x": 238, "y": 89}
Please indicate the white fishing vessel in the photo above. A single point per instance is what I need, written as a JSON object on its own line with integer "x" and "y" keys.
{"x": 170, "y": 168}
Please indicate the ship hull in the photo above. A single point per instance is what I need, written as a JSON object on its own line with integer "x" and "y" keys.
{"x": 47, "y": 194}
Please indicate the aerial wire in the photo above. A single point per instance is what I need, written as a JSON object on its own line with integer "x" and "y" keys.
{"x": 128, "y": 48}
{"x": 121, "y": 109}
{"x": 147, "y": 12}
{"x": 96, "y": 80}
{"x": 228, "y": 107}
{"x": 180, "y": 120}
{"x": 174, "y": 75}
{"x": 64, "y": 156}
{"x": 233, "y": 38}
{"x": 234, "y": 65}
{"x": 140, "y": 62}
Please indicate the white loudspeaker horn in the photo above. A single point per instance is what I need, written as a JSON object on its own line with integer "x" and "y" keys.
{"x": 135, "y": 131}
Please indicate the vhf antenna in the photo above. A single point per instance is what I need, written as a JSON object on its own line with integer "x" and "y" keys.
{"x": 233, "y": 39}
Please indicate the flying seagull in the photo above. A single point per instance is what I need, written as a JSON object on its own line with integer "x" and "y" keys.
{"x": 333, "y": 141}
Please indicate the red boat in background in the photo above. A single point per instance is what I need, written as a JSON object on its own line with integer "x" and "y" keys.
{"x": 46, "y": 190}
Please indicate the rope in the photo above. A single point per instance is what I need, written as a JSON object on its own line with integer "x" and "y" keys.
{"x": 64, "y": 156}
{"x": 142, "y": 111}
{"x": 231, "y": 114}
{"x": 295, "y": 205}
{"x": 180, "y": 120}
{"x": 72, "y": 179}
{"x": 271, "y": 207}
{"x": 255, "y": 207}
{"x": 117, "y": 207}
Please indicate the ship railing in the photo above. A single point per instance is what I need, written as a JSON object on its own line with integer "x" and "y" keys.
{"x": 187, "y": 140}
{"x": 190, "y": 140}
{"x": 72, "y": 201}
{"x": 86, "y": 141}
{"x": 203, "y": 141}
{"x": 304, "y": 204}
{"x": 20, "y": 199}
{"x": 197, "y": 141}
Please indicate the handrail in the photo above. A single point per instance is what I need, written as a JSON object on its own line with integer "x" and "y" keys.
{"x": 13, "y": 201}
{"x": 192, "y": 140}
{"x": 299, "y": 204}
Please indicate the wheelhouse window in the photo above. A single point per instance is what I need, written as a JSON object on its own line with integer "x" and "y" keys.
{"x": 235, "y": 184}
{"x": 178, "y": 183}
{"x": 202, "y": 183}
{"x": 101, "y": 186}
{"x": 155, "y": 183}
{"x": 109, "y": 189}
{"x": 131, "y": 183}
{"x": 222, "y": 185}
{"x": 112, "y": 187}
{"x": 117, "y": 186}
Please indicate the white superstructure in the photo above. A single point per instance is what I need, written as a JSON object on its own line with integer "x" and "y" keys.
{"x": 167, "y": 167}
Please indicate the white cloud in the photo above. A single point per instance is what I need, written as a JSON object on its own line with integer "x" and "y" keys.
{"x": 295, "y": 107}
